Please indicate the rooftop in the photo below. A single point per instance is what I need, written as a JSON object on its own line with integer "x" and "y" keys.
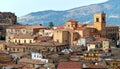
{"x": 16, "y": 27}
{"x": 96, "y": 66}
{"x": 47, "y": 44}
{"x": 81, "y": 29}
{"x": 23, "y": 36}
{"x": 93, "y": 42}
{"x": 71, "y": 20}
{"x": 44, "y": 38}
{"x": 69, "y": 65}
{"x": 25, "y": 27}
{"x": 101, "y": 39}
{"x": 17, "y": 46}
{"x": 109, "y": 26}
{"x": 37, "y": 27}
{"x": 30, "y": 61}
{"x": 60, "y": 27}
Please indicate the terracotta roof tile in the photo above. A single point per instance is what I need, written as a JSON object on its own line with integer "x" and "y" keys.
{"x": 95, "y": 66}
{"x": 74, "y": 59}
{"x": 30, "y": 61}
{"x": 85, "y": 37}
{"x": 17, "y": 46}
{"x": 11, "y": 63}
{"x": 28, "y": 68}
{"x": 23, "y": 36}
{"x": 71, "y": 20}
{"x": 44, "y": 38}
{"x": 69, "y": 65}
{"x": 60, "y": 27}
{"x": 108, "y": 26}
{"x": 47, "y": 44}
{"x": 40, "y": 27}
{"x": 101, "y": 38}
{"x": 16, "y": 27}
{"x": 81, "y": 29}
{"x": 25, "y": 27}
{"x": 80, "y": 25}
{"x": 93, "y": 42}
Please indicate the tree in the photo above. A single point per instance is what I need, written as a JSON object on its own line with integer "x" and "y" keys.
{"x": 2, "y": 37}
{"x": 51, "y": 24}
{"x": 40, "y": 24}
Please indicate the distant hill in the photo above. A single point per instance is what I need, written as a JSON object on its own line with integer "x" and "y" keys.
{"x": 82, "y": 14}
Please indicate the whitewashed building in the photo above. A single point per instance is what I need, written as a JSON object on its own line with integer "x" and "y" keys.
{"x": 38, "y": 56}
{"x": 84, "y": 40}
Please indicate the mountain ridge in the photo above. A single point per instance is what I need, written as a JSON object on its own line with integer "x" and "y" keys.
{"x": 82, "y": 14}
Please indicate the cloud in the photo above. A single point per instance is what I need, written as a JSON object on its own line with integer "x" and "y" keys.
{"x": 114, "y": 16}
{"x": 87, "y": 22}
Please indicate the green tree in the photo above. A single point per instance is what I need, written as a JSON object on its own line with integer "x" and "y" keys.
{"x": 2, "y": 37}
{"x": 40, "y": 24}
{"x": 51, "y": 24}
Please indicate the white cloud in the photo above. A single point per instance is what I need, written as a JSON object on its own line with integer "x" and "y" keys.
{"x": 87, "y": 22}
{"x": 114, "y": 16}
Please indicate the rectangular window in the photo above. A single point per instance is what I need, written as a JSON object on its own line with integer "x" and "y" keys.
{"x": 13, "y": 49}
{"x": 15, "y": 41}
{"x": 17, "y": 49}
{"x": 68, "y": 25}
{"x": 24, "y": 41}
{"x": 97, "y": 19}
{"x": 30, "y": 41}
{"x": 57, "y": 40}
{"x": 19, "y": 41}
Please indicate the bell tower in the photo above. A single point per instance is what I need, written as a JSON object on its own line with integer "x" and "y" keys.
{"x": 100, "y": 23}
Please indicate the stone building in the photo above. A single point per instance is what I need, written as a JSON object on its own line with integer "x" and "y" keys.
{"x": 69, "y": 65}
{"x": 105, "y": 30}
{"x": 66, "y": 36}
{"x": 112, "y": 32}
{"x": 6, "y": 19}
{"x": 15, "y": 48}
{"x": 100, "y": 23}
{"x": 46, "y": 47}
{"x": 4, "y": 58}
{"x": 105, "y": 43}
{"x": 71, "y": 24}
{"x": 97, "y": 29}
{"x": 12, "y": 31}
{"x": 38, "y": 56}
{"x": 83, "y": 41}
{"x": 113, "y": 63}
{"x": 61, "y": 36}
{"x": 94, "y": 45}
{"x": 88, "y": 32}
{"x": 27, "y": 62}
{"x": 24, "y": 39}
{"x": 2, "y": 45}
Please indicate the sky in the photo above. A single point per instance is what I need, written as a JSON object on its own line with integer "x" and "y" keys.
{"x": 24, "y": 7}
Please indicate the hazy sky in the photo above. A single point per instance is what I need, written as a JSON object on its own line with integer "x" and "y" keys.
{"x": 23, "y": 7}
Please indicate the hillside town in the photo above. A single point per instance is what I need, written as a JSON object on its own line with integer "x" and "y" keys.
{"x": 71, "y": 46}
